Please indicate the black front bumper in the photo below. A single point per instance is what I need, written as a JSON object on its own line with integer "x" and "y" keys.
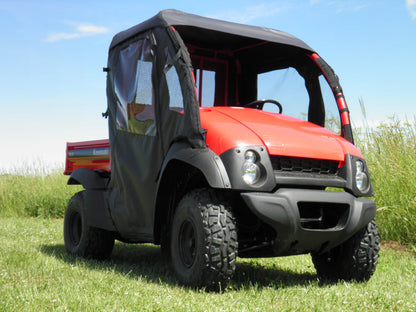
{"x": 310, "y": 220}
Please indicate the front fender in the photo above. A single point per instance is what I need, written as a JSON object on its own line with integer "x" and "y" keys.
{"x": 203, "y": 159}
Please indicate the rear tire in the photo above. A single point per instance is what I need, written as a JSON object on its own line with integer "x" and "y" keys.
{"x": 81, "y": 239}
{"x": 356, "y": 259}
{"x": 203, "y": 241}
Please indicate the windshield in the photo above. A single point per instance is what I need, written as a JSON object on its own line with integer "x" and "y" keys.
{"x": 288, "y": 87}
{"x": 267, "y": 71}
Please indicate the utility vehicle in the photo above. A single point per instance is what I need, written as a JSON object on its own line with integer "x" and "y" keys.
{"x": 225, "y": 140}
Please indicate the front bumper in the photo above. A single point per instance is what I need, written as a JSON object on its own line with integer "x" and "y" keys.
{"x": 310, "y": 220}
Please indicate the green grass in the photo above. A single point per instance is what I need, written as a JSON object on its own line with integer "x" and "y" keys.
{"x": 390, "y": 152}
{"x": 37, "y": 275}
{"x": 34, "y": 191}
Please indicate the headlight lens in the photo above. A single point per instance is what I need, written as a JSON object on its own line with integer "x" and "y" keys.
{"x": 359, "y": 165}
{"x": 251, "y": 171}
{"x": 250, "y": 157}
{"x": 361, "y": 178}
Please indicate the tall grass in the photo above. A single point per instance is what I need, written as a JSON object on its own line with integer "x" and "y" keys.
{"x": 390, "y": 152}
{"x": 34, "y": 190}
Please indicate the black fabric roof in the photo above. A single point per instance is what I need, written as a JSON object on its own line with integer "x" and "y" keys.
{"x": 183, "y": 20}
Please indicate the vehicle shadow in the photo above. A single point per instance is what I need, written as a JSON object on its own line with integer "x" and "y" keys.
{"x": 248, "y": 275}
{"x": 148, "y": 263}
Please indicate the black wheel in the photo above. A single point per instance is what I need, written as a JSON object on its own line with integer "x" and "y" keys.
{"x": 81, "y": 239}
{"x": 203, "y": 241}
{"x": 356, "y": 259}
{"x": 260, "y": 103}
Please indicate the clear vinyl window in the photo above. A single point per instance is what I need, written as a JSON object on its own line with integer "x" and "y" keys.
{"x": 174, "y": 86}
{"x": 134, "y": 89}
{"x": 205, "y": 84}
{"x": 332, "y": 119}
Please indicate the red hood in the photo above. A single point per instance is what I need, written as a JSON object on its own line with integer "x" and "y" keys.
{"x": 230, "y": 127}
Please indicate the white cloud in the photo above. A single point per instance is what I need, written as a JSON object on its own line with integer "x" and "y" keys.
{"x": 248, "y": 14}
{"x": 411, "y": 7}
{"x": 81, "y": 30}
{"x": 343, "y": 5}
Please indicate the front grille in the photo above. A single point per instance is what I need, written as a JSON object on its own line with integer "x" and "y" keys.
{"x": 304, "y": 165}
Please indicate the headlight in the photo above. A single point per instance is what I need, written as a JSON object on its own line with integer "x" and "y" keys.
{"x": 250, "y": 157}
{"x": 362, "y": 181}
{"x": 251, "y": 171}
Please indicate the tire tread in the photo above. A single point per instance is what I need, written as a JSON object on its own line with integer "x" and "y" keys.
{"x": 220, "y": 240}
{"x": 356, "y": 259}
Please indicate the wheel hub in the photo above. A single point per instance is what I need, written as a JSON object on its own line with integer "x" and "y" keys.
{"x": 76, "y": 228}
{"x": 187, "y": 243}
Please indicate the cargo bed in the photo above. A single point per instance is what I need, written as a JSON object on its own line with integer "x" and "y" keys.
{"x": 93, "y": 155}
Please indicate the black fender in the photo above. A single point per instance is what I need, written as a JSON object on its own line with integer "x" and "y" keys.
{"x": 88, "y": 179}
{"x": 209, "y": 165}
{"x": 97, "y": 212}
{"x": 203, "y": 159}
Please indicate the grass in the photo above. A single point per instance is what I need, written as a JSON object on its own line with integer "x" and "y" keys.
{"x": 34, "y": 191}
{"x": 390, "y": 152}
{"x": 37, "y": 275}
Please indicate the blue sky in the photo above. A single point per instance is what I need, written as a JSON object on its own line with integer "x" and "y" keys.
{"x": 52, "y": 88}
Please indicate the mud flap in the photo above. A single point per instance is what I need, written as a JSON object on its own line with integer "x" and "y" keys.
{"x": 97, "y": 212}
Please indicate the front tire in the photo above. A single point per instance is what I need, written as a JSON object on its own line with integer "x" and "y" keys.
{"x": 203, "y": 241}
{"x": 82, "y": 239}
{"x": 356, "y": 259}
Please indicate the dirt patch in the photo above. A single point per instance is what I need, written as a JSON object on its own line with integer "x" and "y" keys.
{"x": 399, "y": 248}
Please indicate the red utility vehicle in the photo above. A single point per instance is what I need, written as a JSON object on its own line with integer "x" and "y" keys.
{"x": 204, "y": 167}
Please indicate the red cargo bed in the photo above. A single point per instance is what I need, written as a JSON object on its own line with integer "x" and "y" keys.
{"x": 93, "y": 155}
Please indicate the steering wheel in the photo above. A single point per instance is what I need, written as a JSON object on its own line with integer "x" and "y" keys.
{"x": 260, "y": 103}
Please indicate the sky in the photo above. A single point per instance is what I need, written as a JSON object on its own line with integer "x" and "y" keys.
{"x": 52, "y": 87}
